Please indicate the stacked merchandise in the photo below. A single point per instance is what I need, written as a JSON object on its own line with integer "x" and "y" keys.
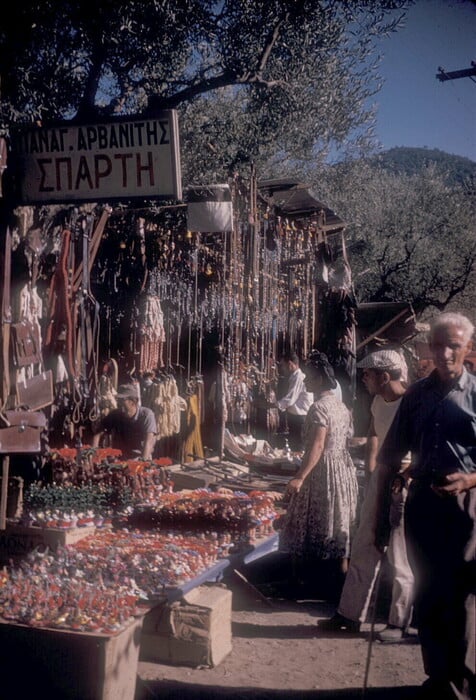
{"x": 98, "y": 583}
{"x": 91, "y": 487}
{"x": 235, "y": 515}
{"x": 151, "y": 546}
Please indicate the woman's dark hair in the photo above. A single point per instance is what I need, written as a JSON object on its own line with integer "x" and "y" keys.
{"x": 320, "y": 364}
{"x": 291, "y": 356}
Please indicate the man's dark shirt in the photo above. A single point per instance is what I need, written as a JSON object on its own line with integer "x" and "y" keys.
{"x": 128, "y": 434}
{"x": 438, "y": 428}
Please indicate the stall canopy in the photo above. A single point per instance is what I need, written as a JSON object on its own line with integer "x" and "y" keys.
{"x": 295, "y": 199}
{"x": 382, "y": 323}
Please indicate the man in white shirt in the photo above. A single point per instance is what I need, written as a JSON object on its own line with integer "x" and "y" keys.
{"x": 296, "y": 402}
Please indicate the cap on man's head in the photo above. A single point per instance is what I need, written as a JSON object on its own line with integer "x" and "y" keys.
{"x": 128, "y": 391}
{"x": 382, "y": 360}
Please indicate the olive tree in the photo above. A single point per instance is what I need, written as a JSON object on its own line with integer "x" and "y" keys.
{"x": 252, "y": 79}
{"x": 410, "y": 237}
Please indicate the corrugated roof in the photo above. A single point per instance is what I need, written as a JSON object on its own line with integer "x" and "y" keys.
{"x": 296, "y": 199}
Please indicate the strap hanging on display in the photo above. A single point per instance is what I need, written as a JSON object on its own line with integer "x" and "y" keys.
{"x": 88, "y": 327}
{"x": 3, "y": 161}
{"x": 94, "y": 247}
{"x": 60, "y": 326}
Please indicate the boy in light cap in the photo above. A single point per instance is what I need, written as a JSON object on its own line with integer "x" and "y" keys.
{"x": 386, "y": 360}
{"x": 132, "y": 427}
{"x": 382, "y": 375}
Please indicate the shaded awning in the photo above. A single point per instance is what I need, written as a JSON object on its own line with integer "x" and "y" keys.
{"x": 382, "y": 323}
{"x": 296, "y": 199}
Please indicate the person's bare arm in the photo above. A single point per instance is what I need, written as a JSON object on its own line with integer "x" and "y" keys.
{"x": 310, "y": 459}
{"x": 371, "y": 449}
{"x": 96, "y": 439}
{"x": 149, "y": 444}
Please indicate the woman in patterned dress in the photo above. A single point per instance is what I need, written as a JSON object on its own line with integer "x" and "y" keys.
{"x": 321, "y": 515}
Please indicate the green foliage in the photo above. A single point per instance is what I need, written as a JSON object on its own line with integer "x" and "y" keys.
{"x": 71, "y": 498}
{"x": 76, "y": 499}
{"x": 251, "y": 78}
{"x": 411, "y": 161}
{"x": 410, "y": 237}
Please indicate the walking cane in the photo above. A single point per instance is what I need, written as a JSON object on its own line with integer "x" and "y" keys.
{"x": 372, "y": 623}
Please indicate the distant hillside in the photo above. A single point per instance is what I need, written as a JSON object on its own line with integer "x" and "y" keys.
{"x": 411, "y": 160}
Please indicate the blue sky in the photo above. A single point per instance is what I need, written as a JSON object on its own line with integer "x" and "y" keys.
{"x": 414, "y": 108}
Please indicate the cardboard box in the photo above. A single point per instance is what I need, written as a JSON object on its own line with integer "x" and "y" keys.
{"x": 17, "y": 540}
{"x": 195, "y": 479}
{"x": 49, "y": 663}
{"x": 195, "y": 631}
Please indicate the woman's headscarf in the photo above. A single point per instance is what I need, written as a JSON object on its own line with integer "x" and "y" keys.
{"x": 320, "y": 364}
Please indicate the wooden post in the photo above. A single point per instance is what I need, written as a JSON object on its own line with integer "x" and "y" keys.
{"x": 221, "y": 408}
{"x": 4, "y": 493}
{"x": 6, "y": 319}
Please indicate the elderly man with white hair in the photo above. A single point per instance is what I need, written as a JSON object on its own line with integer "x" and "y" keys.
{"x": 436, "y": 422}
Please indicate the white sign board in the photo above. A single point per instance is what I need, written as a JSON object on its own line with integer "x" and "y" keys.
{"x": 94, "y": 162}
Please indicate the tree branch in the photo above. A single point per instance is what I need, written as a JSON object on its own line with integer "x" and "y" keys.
{"x": 273, "y": 37}
{"x": 192, "y": 91}
{"x": 225, "y": 79}
{"x": 86, "y": 107}
{"x": 458, "y": 285}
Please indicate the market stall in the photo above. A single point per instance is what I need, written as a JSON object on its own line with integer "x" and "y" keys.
{"x": 108, "y": 547}
{"x": 191, "y": 302}
{"x": 105, "y": 294}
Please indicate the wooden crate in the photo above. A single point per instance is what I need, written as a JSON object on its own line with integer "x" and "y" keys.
{"x": 192, "y": 480}
{"x": 17, "y": 540}
{"x": 195, "y": 631}
{"x": 48, "y": 663}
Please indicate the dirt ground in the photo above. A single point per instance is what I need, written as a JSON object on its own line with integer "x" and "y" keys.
{"x": 278, "y": 651}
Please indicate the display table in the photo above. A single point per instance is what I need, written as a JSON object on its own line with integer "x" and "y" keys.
{"x": 260, "y": 548}
{"x": 212, "y": 574}
{"x": 102, "y": 666}
{"x": 54, "y": 663}
{"x": 193, "y": 626}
